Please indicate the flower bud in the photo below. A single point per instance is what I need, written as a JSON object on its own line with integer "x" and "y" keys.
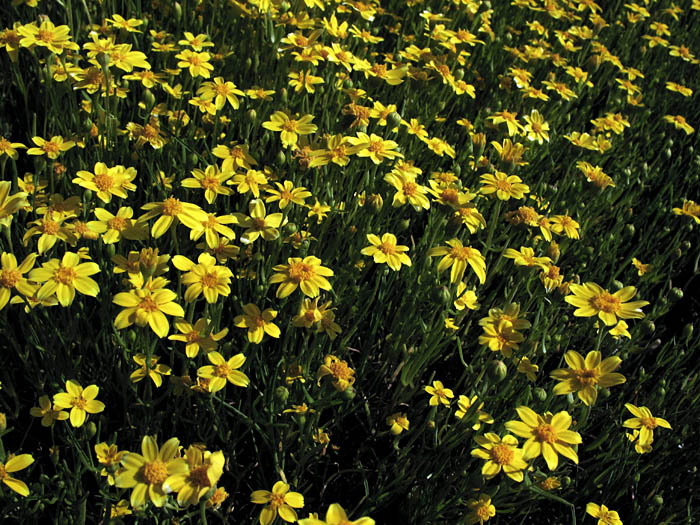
{"x": 496, "y": 371}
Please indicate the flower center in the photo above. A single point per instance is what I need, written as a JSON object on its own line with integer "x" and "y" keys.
{"x": 410, "y": 189}
{"x": 172, "y": 206}
{"x": 51, "y": 148}
{"x": 3, "y": 473}
{"x": 79, "y": 402}
{"x": 587, "y": 377}
{"x": 193, "y": 336}
{"x": 155, "y": 472}
{"x": 606, "y": 302}
{"x": 376, "y": 146}
{"x": 45, "y": 35}
{"x": 117, "y": 223}
{"x": 9, "y": 278}
{"x": 482, "y": 512}
{"x": 340, "y": 370}
{"x": 222, "y": 370}
{"x": 301, "y": 272}
{"x": 546, "y": 433}
{"x": 65, "y": 275}
{"x": 49, "y": 227}
{"x": 450, "y": 195}
{"x": 210, "y": 183}
{"x": 649, "y": 422}
{"x": 290, "y": 125}
{"x": 502, "y": 454}
{"x": 259, "y": 223}
{"x": 503, "y": 185}
{"x": 148, "y": 304}
{"x": 210, "y": 279}
{"x": 461, "y": 253}
{"x": 150, "y": 132}
{"x": 387, "y": 248}
{"x": 199, "y": 476}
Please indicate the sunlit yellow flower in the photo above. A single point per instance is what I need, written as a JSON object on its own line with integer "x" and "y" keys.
{"x": 583, "y": 376}
{"x": 153, "y": 369}
{"x": 258, "y": 323}
{"x": 644, "y": 422}
{"x": 481, "y": 510}
{"x": 12, "y": 276}
{"x": 148, "y": 306}
{"x": 47, "y": 412}
{"x": 504, "y": 186}
{"x": 280, "y": 501}
{"x": 203, "y": 277}
{"x": 64, "y": 277}
{"x": 169, "y": 210}
{"x": 336, "y": 515}
{"x": 251, "y": 181}
{"x": 374, "y": 147}
{"x": 10, "y": 148}
{"x": 526, "y": 257}
{"x": 465, "y": 403}
{"x": 439, "y": 394}
{"x": 115, "y": 227}
{"x": 220, "y": 91}
{"x": 211, "y": 180}
{"x": 234, "y": 157}
{"x": 343, "y": 376}
{"x": 689, "y": 208}
{"x": 15, "y": 464}
{"x": 220, "y": 371}
{"x": 145, "y": 473}
{"x": 590, "y": 299}
{"x": 197, "y": 336}
{"x": 458, "y": 256}
{"x": 385, "y": 250}
{"x": 290, "y": 129}
{"x": 605, "y": 516}
{"x": 81, "y": 402}
{"x": 204, "y": 468}
{"x": 536, "y": 128}
{"x": 397, "y": 423}
{"x": 547, "y": 435}
{"x": 286, "y": 193}
{"x": 465, "y": 298}
{"x": 54, "y": 38}
{"x": 213, "y": 229}
{"x": 500, "y": 454}
{"x": 306, "y": 273}
{"x": 109, "y": 456}
{"x": 52, "y": 148}
{"x": 197, "y": 63}
{"x": 529, "y": 369}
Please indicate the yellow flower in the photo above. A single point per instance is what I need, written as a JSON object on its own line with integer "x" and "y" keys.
{"x": 677, "y": 120}
{"x": 619, "y": 330}
{"x": 109, "y": 456}
{"x": 685, "y": 91}
{"x": 148, "y": 306}
{"x": 526, "y": 367}
{"x": 585, "y": 375}
{"x": 47, "y": 412}
{"x": 80, "y": 402}
{"x": 169, "y": 210}
{"x": 644, "y": 422}
{"x": 482, "y": 510}
{"x": 197, "y": 336}
{"x": 407, "y": 190}
{"x": 197, "y": 63}
{"x": 387, "y": 251}
{"x": 204, "y": 468}
{"x": 280, "y": 501}
{"x": 146, "y": 472}
{"x": 590, "y": 299}
{"x": 204, "y": 277}
{"x": 154, "y": 370}
{"x": 106, "y": 182}
{"x": 605, "y": 516}
{"x": 306, "y": 273}
{"x": 336, "y": 515}
{"x": 12, "y": 276}
{"x": 14, "y": 464}
{"x": 438, "y": 394}
{"x": 510, "y": 119}
{"x": 221, "y": 92}
{"x": 51, "y": 148}
{"x": 303, "y": 81}
{"x": 54, "y": 38}
{"x": 10, "y": 148}
{"x": 565, "y": 224}
{"x": 197, "y": 43}
{"x": 690, "y": 208}
{"x": 258, "y": 224}
{"x": 374, "y": 147}
{"x": 129, "y": 25}
{"x": 398, "y": 423}
{"x": 64, "y": 277}
{"x": 465, "y": 298}
{"x": 536, "y": 128}
{"x": 221, "y": 371}
{"x": 290, "y": 129}
{"x": 250, "y": 182}
{"x": 115, "y": 227}
{"x": 526, "y": 257}
{"x": 234, "y": 157}
{"x": 211, "y": 180}
{"x": 547, "y": 435}
{"x": 464, "y": 404}
{"x": 458, "y": 256}
{"x": 503, "y": 185}
{"x": 500, "y": 454}
{"x": 343, "y": 376}
{"x": 258, "y": 323}
{"x": 286, "y": 193}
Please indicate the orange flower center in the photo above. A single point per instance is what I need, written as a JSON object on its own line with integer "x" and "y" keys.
{"x": 502, "y": 454}
{"x": 341, "y": 370}
{"x": 545, "y": 433}
{"x": 150, "y": 132}
{"x": 65, "y": 275}
{"x": 503, "y": 185}
{"x": 172, "y": 206}
{"x": 49, "y": 227}
{"x": 9, "y": 278}
{"x": 5, "y": 144}
{"x": 148, "y": 304}
{"x": 606, "y": 302}
{"x": 649, "y": 422}
{"x": 222, "y": 370}
{"x": 301, "y": 271}
{"x": 221, "y": 89}
{"x": 410, "y": 189}
{"x": 198, "y": 476}
{"x": 210, "y": 182}
{"x": 45, "y": 35}
{"x": 587, "y": 377}
{"x": 290, "y": 125}
{"x": 154, "y": 472}
{"x": 461, "y": 253}
{"x": 79, "y": 402}
{"x": 51, "y": 148}
{"x": 3, "y": 473}
{"x": 117, "y": 223}
{"x": 450, "y": 195}
{"x": 387, "y": 248}
{"x": 376, "y": 146}
{"x": 210, "y": 279}
{"x": 482, "y": 512}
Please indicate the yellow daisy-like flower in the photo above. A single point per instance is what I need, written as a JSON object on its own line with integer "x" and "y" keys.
{"x": 148, "y": 306}
{"x": 197, "y": 63}
{"x": 10, "y": 148}
{"x": 465, "y": 298}
{"x": 438, "y": 394}
{"x": 115, "y": 227}
{"x": 250, "y": 182}
{"x": 374, "y": 147}
{"x": 500, "y": 454}
{"x": 689, "y": 208}
{"x": 221, "y": 92}
{"x": 280, "y": 501}
{"x": 526, "y": 257}
{"x": 258, "y": 223}
{"x": 605, "y": 516}
{"x": 220, "y": 371}
{"x": 343, "y": 376}
{"x": 385, "y": 250}
{"x": 645, "y": 422}
{"x": 197, "y": 336}
{"x": 286, "y": 193}
{"x": 290, "y": 129}
{"x": 203, "y": 277}
{"x": 336, "y": 515}
{"x": 547, "y": 435}
{"x": 50, "y": 229}
{"x": 109, "y": 456}
{"x": 620, "y": 330}
{"x": 169, "y": 210}
{"x": 145, "y": 473}
{"x": 15, "y": 464}
{"x": 458, "y": 256}
{"x": 306, "y": 273}
{"x": 677, "y": 120}
{"x": 64, "y": 277}
{"x": 204, "y": 468}
{"x": 585, "y": 374}
{"x": 590, "y": 299}
{"x": 211, "y": 180}
{"x": 52, "y": 148}
{"x": 12, "y": 276}
{"x": 48, "y": 413}
{"x": 465, "y": 403}
{"x": 258, "y": 323}
{"x": 481, "y": 510}
{"x": 529, "y": 369}
{"x": 536, "y": 128}
{"x": 397, "y": 423}
{"x": 52, "y": 37}
{"x": 106, "y": 182}
{"x": 153, "y": 369}
{"x": 504, "y": 186}
{"x": 80, "y": 401}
